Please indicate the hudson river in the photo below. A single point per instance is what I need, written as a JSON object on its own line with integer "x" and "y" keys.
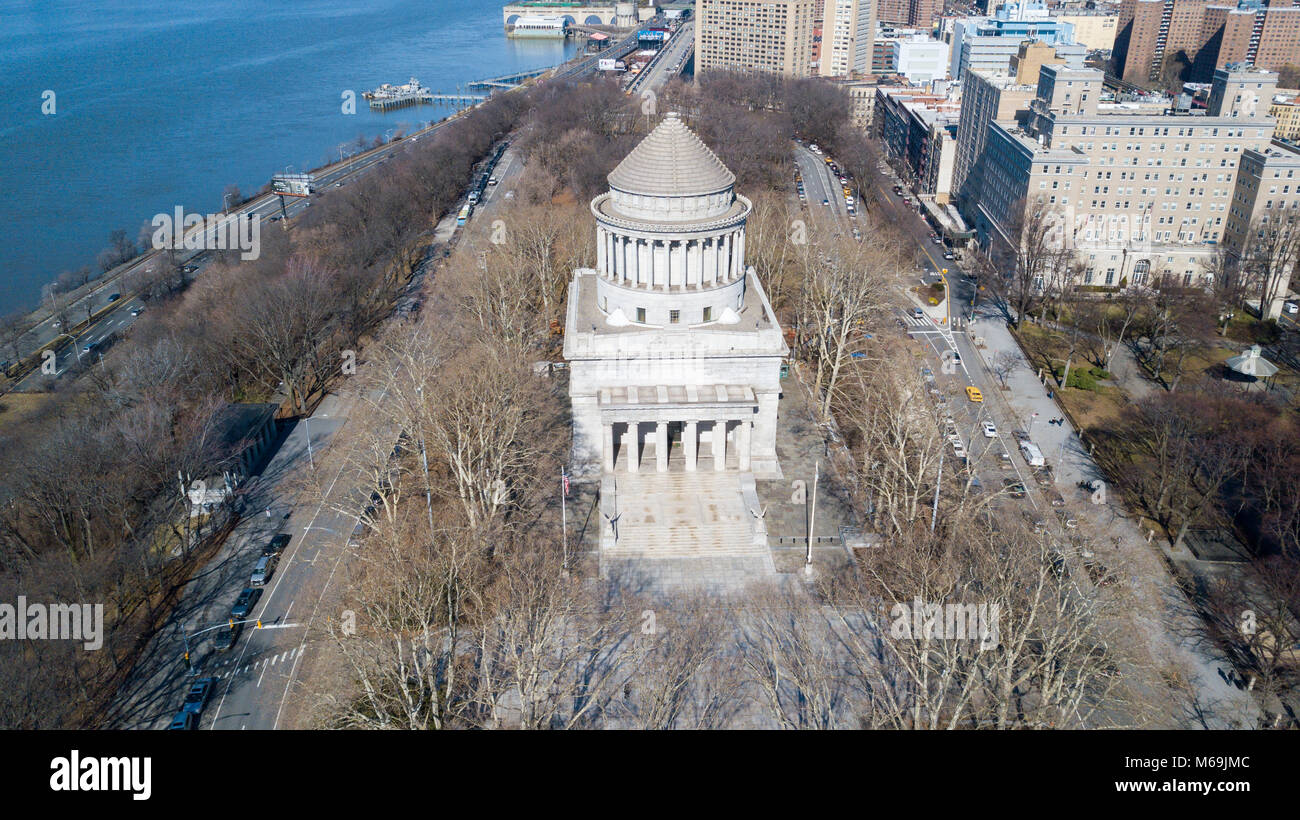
{"x": 158, "y": 104}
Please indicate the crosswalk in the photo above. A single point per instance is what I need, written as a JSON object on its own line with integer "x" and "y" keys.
{"x": 259, "y": 664}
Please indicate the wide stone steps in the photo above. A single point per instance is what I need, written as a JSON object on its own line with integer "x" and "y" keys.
{"x": 683, "y": 515}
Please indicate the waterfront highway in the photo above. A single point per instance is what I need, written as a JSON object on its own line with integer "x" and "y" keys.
{"x": 116, "y": 321}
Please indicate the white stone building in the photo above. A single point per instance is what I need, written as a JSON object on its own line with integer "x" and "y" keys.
{"x": 674, "y": 351}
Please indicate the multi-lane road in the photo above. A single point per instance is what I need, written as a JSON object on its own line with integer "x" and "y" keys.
{"x": 668, "y": 63}
{"x": 312, "y": 491}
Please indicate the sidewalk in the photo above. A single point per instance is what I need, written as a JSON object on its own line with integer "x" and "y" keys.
{"x": 1221, "y": 704}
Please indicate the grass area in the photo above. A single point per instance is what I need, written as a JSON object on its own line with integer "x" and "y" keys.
{"x": 1089, "y": 410}
{"x": 17, "y": 408}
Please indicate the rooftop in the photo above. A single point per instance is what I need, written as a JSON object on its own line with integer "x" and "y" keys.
{"x": 671, "y": 161}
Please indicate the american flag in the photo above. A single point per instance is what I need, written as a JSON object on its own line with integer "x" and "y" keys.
{"x": 565, "y": 479}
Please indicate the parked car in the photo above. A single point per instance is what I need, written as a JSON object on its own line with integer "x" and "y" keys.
{"x": 990, "y": 430}
{"x": 245, "y": 602}
{"x": 198, "y": 695}
{"x": 184, "y": 720}
{"x": 1013, "y": 488}
{"x": 263, "y": 571}
{"x": 1033, "y": 456}
{"x": 277, "y": 544}
{"x": 492, "y": 180}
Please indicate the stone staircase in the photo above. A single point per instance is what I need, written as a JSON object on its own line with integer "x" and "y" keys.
{"x": 680, "y": 515}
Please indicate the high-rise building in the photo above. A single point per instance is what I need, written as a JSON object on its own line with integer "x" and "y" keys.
{"x": 912, "y": 13}
{"x": 772, "y": 36}
{"x": 1137, "y": 192}
{"x": 1207, "y": 34}
{"x": 848, "y": 29}
{"x": 985, "y": 98}
{"x": 1093, "y": 28}
{"x": 988, "y": 43}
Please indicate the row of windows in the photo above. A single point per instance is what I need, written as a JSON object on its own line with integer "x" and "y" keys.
{"x": 675, "y": 316}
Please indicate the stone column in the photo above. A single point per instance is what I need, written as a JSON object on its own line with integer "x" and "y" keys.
{"x": 623, "y": 267}
{"x": 607, "y": 451}
{"x": 661, "y": 447}
{"x": 680, "y": 267}
{"x": 601, "y": 241}
{"x": 633, "y": 457}
{"x": 730, "y": 265}
{"x": 693, "y": 276}
{"x": 740, "y": 253}
{"x": 720, "y": 445}
{"x": 711, "y": 260}
{"x": 647, "y": 260}
{"x": 690, "y": 444}
{"x": 743, "y": 437}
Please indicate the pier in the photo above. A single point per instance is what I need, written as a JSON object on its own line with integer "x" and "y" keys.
{"x": 458, "y": 99}
{"x": 509, "y": 80}
{"x": 401, "y": 100}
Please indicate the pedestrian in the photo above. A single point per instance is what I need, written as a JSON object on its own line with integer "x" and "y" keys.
{"x": 268, "y": 512}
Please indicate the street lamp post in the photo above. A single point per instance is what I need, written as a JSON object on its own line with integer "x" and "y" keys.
{"x": 306, "y": 426}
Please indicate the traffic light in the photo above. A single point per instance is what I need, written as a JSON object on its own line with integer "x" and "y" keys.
{"x": 232, "y": 623}
{"x": 187, "y": 661}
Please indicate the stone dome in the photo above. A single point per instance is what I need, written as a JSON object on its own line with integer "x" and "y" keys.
{"x": 671, "y": 162}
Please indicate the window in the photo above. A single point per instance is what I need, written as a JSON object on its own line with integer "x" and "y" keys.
{"x": 708, "y": 314}
{"x": 674, "y": 316}
{"x": 640, "y": 315}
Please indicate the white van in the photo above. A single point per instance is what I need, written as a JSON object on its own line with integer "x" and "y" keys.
{"x": 1033, "y": 455}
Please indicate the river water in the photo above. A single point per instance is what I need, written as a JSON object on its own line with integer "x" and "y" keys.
{"x": 113, "y": 111}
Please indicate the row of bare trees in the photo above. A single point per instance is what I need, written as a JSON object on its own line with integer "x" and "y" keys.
{"x": 91, "y": 501}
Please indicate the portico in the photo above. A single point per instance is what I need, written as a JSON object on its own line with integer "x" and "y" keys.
{"x": 675, "y": 424}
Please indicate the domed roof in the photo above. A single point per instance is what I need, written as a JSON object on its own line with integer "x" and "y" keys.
{"x": 671, "y": 161}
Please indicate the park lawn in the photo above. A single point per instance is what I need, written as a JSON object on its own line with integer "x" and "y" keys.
{"x": 17, "y": 408}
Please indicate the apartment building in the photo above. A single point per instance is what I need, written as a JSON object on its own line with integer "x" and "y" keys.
{"x": 1209, "y": 34}
{"x": 770, "y": 36}
{"x": 1094, "y": 28}
{"x": 985, "y": 98}
{"x": 988, "y": 43}
{"x": 919, "y": 132}
{"x": 1285, "y": 108}
{"x": 920, "y": 14}
{"x": 1267, "y": 193}
{"x": 848, "y": 29}
{"x": 1136, "y": 194}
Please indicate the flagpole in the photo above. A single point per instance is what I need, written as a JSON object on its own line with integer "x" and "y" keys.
{"x": 564, "y": 519}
